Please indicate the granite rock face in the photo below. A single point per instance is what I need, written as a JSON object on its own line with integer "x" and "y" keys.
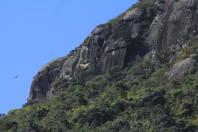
{"x": 42, "y": 82}
{"x": 174, "y": 25}
{"x": 178, "y": 71}
{"x": 139, "y": 31}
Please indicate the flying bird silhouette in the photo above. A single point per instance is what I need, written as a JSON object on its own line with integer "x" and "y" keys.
{"x": 15, "y": 77}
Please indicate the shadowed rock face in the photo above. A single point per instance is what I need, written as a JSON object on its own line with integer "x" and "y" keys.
{"x": 178, "y": 71}
{"x": 167, "y": 24}
{"x": 172, "y": 27}
{"x": 42, "y": 82}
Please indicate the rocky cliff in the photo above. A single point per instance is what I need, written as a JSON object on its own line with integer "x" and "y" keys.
{"x": 149, "y": 27}
{"x": 138, "y": 72}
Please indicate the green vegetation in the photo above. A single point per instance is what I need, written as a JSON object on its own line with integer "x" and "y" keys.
{"x": 136, "y": 98}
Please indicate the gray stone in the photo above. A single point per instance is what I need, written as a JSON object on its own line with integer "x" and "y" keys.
{"x": 133, "y": 14}
{"x": 179, "y": 70}
{"x": 167, "y": 24}
{"x": 177, "y": 22}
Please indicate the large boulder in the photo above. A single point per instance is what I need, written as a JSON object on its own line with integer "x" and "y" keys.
{"x": 179, "y": 70}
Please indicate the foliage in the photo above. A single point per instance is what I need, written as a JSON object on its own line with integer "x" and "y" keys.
{"x": 138, "y": 98}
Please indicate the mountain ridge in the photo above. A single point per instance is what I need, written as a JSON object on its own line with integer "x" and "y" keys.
{"x": 137, "y": 72}
{"x": 105, "y": 47}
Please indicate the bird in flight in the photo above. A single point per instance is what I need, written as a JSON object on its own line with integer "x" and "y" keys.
{"x": 15, "y": 77}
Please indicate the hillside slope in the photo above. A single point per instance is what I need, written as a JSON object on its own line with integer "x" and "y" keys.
{"x": 136, "y": 73}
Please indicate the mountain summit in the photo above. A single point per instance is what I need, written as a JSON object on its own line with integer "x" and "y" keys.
{"x": 138, "y": 72}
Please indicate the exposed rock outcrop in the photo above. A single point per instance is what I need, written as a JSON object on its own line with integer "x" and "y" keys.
{"x": 157, "y": 27}
{"x": 42, "y": 82}
{"x": 138, "y": 72}
{"x": 179, "y": 70}
{"x": 175, "y": 25}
